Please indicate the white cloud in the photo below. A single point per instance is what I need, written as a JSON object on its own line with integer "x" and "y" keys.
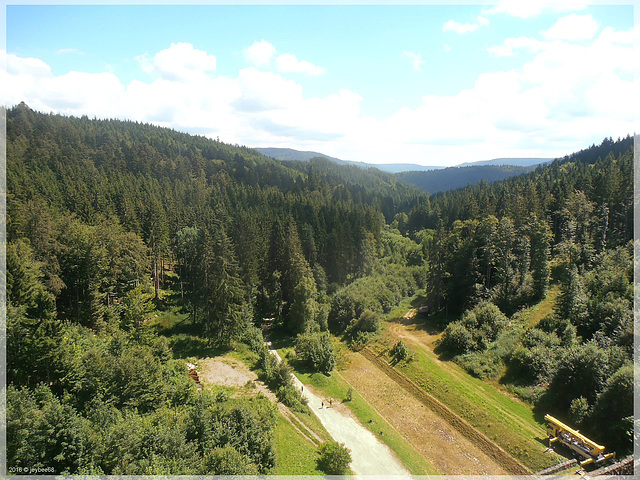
{"x": 461, "y": 28}
{"x": 573, "y": 28}
{"x": 66, "y": 51}
{"x": 447, "y": 48}
{"x": 555, "y": 103}
{"x": 508, "y": 47}
{"x": 178, "y": 62}
{"x": 26, "y": 66}
{"x": 260, "y": 53}
{"x": 288, "y": 63}
{"x": 416, "y": 59}
{"x": 532, "y": 8}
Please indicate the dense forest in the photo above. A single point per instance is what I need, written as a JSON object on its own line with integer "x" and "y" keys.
{"x": 100, "y": 211}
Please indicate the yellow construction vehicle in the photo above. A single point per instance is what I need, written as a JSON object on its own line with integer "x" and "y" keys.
{"x": 573, "y": 439}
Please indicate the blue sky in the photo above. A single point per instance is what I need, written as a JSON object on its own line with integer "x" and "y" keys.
{"x": 424, "y": 84}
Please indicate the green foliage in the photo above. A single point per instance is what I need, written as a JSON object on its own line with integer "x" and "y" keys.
{"x": 334, "y": 458}
{"x": 278, "y": 376}
{"x": 475, "y": 331}
{"x": 579, "y": 409}
{"x": 227, "y": 461}
{"x": 456, "y": 340}
{"x": 316, "y": 350}
{"x": 378, "y": 293}
{"x": 582, "y": 372}
{"x": 349, "y": 396}
{"x": 400, "y": 352}
{"x": 613, "y": 408}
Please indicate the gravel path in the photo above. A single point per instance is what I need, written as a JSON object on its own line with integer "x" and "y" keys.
{"x": 369, "y": 455}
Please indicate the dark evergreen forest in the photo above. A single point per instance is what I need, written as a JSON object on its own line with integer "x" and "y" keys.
{"x": 102, "y": 212}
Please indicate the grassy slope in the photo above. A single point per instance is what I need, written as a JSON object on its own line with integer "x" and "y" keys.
{"x": 295, "y": 455}
{"x": 504, "y": 419}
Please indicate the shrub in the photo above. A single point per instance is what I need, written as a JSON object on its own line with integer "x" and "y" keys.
{"x": 334, "y": 458}
{"x": 533, "y": 365}
{"x": 289, "y": 395}
{"x": 475, "y": 331}
{"x": 369, "y": 321}
{"x": 399, "y": 352}
{"x": 482, "y": 365}
{"x": 316, "y": 350}
{"x": 253, "y": 337}
{"x": 456, "y": 340}
{"x": 349, "y": 396}
{"x": 579, "y": 409}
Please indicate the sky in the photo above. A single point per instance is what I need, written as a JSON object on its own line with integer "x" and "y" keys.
{"x": 423, "y": 84}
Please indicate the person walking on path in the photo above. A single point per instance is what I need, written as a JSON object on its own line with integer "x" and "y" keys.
{"x": 322, "y": 404}
{"x": 331, "y": 403}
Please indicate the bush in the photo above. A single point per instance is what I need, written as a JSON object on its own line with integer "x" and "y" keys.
{"x": 254, "y": 339}
{"x": 399, "y": 352}
{"x": 456, "y": 340}
{"x": 334, "y": 458}
{"x": 361, "y": 331}
{"x": 482, "y": 365}
{"x": 579, "y": 409}
{"x": 289, "y": 395}
{"x": 475, "y": 331}
{"x": 316, "y": 350}
{"x": 533, "y": 365}
{"x": 369, "y": 321}
{"x": 349, "y": 396}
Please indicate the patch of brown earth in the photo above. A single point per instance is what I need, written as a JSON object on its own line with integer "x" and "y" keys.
{"x": 497, "y": 454}
{"x": 230, "y": 372}
{"x": 436, "y": 440}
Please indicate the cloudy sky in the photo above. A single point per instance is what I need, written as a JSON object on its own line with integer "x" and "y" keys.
{"x": 433, "y": 85}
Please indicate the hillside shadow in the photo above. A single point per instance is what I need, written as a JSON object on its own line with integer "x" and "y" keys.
{"x": 430, "y": 324}
{"x": 183, "y": 327}
{"x": 185, "y": 346}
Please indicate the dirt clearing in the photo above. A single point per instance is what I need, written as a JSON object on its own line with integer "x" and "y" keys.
{"x": 230, "y": 372}
{"x": 425, "y": 430}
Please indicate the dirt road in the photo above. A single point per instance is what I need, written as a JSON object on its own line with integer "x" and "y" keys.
{"x": 369, "y": 455}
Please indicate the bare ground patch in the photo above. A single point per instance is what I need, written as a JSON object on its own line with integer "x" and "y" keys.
{"x": 501, "y": 457}
{"x": 437, "y": 441}
{"x": 230, "y": 372}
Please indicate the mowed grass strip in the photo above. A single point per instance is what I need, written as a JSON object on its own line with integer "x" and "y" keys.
{"x": 544, "y": 308}
{"x": 506, "y": 421}
{"x": 336, "y": 388}
{"x": 309, "y": 420}
{"x": 295, "y": 455}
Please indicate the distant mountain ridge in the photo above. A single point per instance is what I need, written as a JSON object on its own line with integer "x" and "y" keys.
{"x": 289, "y": 154}
{"x": 517, "y": 162}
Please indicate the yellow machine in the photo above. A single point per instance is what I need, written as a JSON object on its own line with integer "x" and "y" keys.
{"x": 573, "y": 439}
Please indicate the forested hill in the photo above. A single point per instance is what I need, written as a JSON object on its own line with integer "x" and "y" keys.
{"x": 604, "y": 173}
{"x": 167, "y": 155}
{"x": 452, "y": 178}
{"x": 154, "y": 182}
